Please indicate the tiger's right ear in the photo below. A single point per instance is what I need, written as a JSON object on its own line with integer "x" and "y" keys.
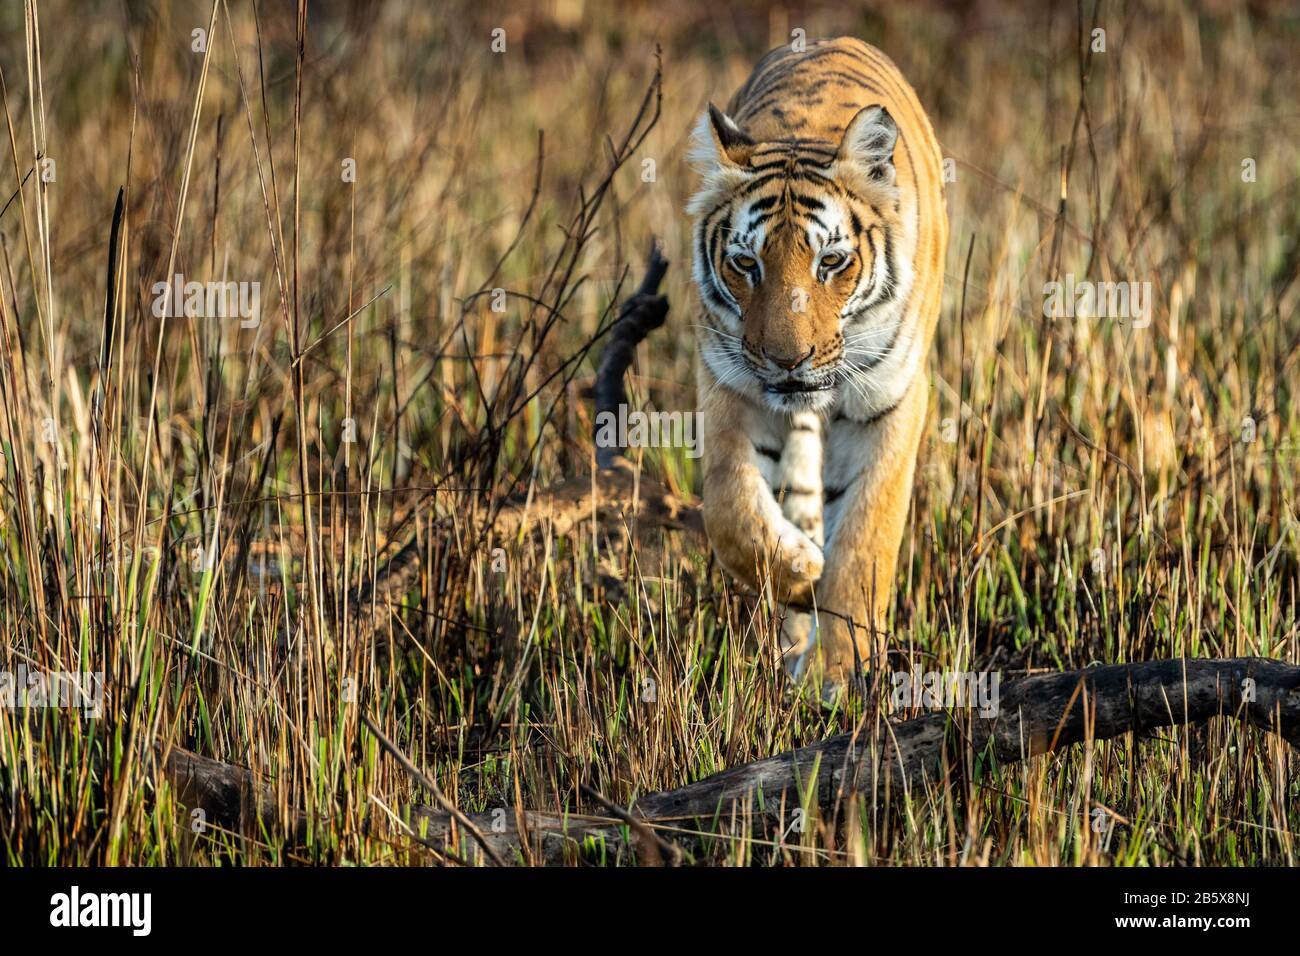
{"x": 718, "y": 143}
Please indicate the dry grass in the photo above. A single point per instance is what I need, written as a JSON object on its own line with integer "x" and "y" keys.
{"x": 1085, "y": 491}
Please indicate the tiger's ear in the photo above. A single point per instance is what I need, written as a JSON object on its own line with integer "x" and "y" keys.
{"x": 718, "y": 143}
{"x": 869, "y": 142}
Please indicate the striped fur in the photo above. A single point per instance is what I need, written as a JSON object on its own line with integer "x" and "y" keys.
{"x": 819, "y": 239}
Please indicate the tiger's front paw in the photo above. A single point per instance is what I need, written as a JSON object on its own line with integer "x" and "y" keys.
{"x": 767, "y": 553}
{"x": 797, "y": 567}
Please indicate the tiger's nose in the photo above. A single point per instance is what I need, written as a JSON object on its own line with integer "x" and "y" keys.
{"x": 785, "y": 361}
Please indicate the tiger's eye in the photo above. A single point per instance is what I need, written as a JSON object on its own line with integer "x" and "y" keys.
{"x": 831, "y": 260}
{"x": 744, "y": 262}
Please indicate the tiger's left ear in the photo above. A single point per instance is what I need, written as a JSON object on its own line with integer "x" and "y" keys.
{"x": 869, "y": 142}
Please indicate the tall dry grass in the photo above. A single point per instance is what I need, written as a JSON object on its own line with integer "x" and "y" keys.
{"x": 179, "y": 509}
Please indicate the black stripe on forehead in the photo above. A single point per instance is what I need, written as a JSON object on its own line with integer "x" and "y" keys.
{"x": 789, "y": 165}
{"x": 794, "y": 151}
{"x": 788, "y": 177}
{"x": 788, "y": 216}
{"x": 794, "y": 207}
{"x": 761, "y": 209}
{"x": 790, "y": 156}
{"x": 810, "y": 174}
{"x": 795, "y": 189}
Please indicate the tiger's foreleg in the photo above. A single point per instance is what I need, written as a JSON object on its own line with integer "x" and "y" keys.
{"x": 869, "y": 475}
{"x": 798, "y": 487}
{"x": 752, "y": 537}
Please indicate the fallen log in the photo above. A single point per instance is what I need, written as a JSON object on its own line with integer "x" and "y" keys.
{"x": 1035, "y": 715}
{"x": 230, "y": 796}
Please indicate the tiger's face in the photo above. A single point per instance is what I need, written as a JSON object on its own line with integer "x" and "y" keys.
{"x": 792, "y": 250}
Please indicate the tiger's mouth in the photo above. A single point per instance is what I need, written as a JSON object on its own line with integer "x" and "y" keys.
{"x": 794, "y": 386}
{"x": 794, "y": 392}
{"x": 795, "y": 395}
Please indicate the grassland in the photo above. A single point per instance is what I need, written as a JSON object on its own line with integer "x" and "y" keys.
{"x": 181, "y": 511}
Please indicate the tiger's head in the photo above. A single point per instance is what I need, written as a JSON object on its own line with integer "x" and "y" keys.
{"x": 792, "y": 251}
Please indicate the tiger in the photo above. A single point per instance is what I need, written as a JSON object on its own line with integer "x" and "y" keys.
{"x": 819, "y": 233}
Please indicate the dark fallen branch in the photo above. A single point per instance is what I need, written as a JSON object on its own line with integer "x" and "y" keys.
{"x": 1036, "y": 715}
{"x": 230, "y": 797}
